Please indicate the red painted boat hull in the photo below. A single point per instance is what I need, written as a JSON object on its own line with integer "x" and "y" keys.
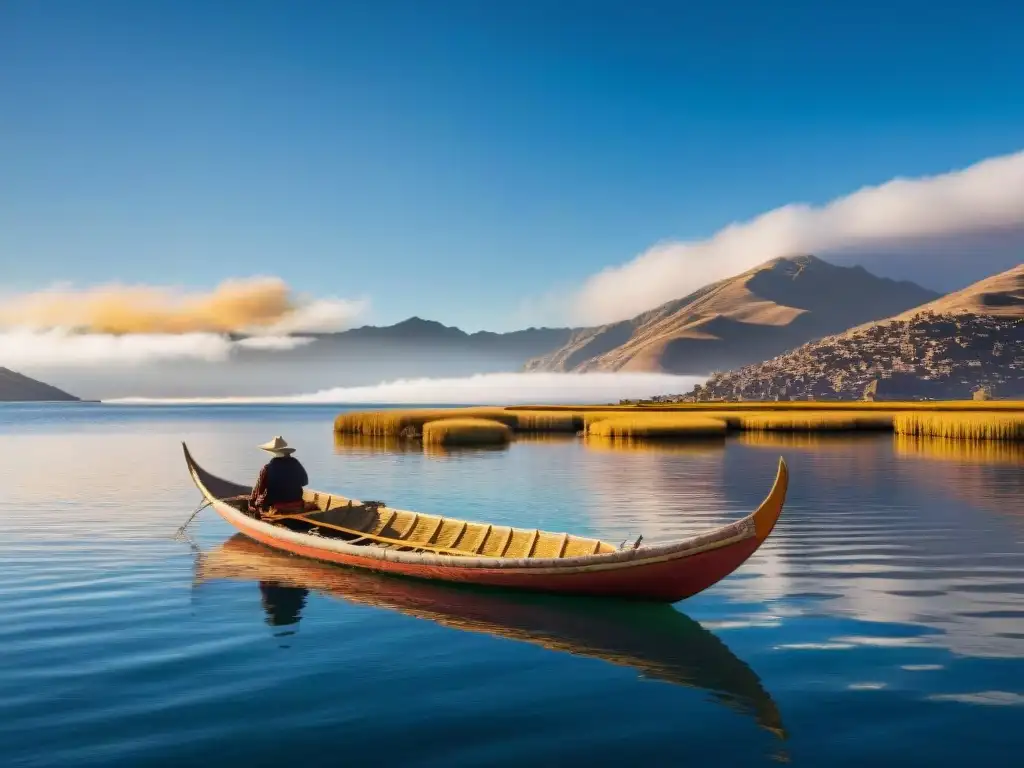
{"x": 669, "y": 581}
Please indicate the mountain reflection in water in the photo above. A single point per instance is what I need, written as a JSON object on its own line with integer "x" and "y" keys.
{"x": 657, "y": 640}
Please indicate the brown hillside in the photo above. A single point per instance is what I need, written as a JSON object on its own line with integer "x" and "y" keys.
{"x": 752, "y": 316}
{"x": 950, "y": 348}
{"x": 1000, "y": 295}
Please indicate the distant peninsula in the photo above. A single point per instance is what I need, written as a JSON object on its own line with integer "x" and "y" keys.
{"x": 16, "y": 387}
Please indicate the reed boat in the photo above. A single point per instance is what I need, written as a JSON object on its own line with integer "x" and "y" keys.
{"x": 372, "y": 535}
{"x": 656, "y": 640}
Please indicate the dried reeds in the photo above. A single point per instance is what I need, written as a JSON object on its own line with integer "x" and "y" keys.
{"x": 466, "y": 431}
{"x": 995, "y": 420}
{"x": 394, "y": 422}
{"x": 816, "y": 422}
{"x": 795, "y": 405}
{"x": 657, "y": 426}
{"x": 961, "y": 426}
{"x": 547, "y": 421}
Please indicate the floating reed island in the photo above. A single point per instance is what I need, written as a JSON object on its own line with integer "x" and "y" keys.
{"x": 495, "y": 425}
{"x": 465, "y": 431}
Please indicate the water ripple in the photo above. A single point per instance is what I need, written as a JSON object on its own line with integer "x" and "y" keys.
{"x": 891, "y": 591}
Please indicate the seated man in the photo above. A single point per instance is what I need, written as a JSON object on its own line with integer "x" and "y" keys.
{"x": 279, "y": 486}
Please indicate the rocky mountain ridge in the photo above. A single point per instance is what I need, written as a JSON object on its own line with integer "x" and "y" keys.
{"x": 744, "y": 319}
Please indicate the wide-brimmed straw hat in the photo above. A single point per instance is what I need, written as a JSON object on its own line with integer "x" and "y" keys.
{"x": 278, "y": 447}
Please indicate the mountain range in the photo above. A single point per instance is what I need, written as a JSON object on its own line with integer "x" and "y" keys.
{"x": 415, "y": 330}
{"x": 743, "y": 319}
{"x": 312, "y": 362}
{"x": 780, "y": 306}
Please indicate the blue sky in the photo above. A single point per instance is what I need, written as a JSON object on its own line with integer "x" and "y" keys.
{"x": 453, "y": 159}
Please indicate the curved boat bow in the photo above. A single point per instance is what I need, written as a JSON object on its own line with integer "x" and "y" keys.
{"x": 370, "y": 535}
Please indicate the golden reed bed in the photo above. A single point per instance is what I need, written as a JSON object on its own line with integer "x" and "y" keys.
{"x": 794, "y": 405}
{"x": 961, "y": 426}
{"x": 960, "y": 420}
{"x": 466, "y": 431}
{"x": 657, "y": 426}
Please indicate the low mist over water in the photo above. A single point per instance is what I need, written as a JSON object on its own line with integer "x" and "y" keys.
{"x": 483, "y": 388}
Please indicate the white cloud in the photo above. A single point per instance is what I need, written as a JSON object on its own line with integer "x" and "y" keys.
{"x": 263, "y": 305}
{"x": 60, "y": 348}
{"x": 483, "y": 389}
{"x": 318, "y": 316}
{"x": 977, "y": 211}
{"x": 274, "y": 343}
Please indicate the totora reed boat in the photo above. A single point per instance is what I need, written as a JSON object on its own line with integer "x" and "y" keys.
{"x": 372, "y": 535}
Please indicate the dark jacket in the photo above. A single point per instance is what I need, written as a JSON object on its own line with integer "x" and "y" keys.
{"x": 280, "y": 480}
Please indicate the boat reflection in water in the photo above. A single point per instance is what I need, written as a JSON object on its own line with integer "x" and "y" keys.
{"x": 655, "y": 639}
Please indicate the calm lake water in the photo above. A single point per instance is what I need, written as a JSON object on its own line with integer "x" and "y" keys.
{"x": 883, "y": 621}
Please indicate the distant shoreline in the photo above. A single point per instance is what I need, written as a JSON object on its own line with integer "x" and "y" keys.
{"x": 48, "y": 402}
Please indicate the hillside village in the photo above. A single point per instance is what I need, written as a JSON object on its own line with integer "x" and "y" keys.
{"x": 925, "y": 356}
